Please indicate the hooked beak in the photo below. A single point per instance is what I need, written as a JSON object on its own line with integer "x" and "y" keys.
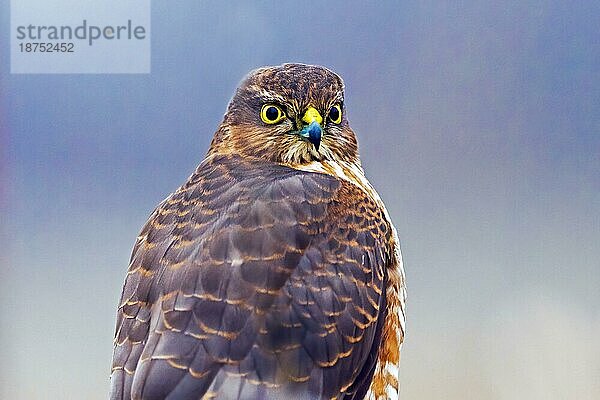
{"x": 312, "y": 130}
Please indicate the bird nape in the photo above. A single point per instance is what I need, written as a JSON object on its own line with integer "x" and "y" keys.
{"x": 274, "y": 272}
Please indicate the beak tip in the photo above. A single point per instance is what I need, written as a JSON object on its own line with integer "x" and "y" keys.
{"x": 314, "y": 134}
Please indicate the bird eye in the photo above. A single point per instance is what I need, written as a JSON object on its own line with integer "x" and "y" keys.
{"x": 271, "y": 114}
{"x": 335, "y": 114}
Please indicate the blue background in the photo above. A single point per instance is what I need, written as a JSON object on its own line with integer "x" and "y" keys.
{"x": 479, "y": 124}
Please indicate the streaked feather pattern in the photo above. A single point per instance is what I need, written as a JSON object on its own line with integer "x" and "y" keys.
{"x": 274, "y": 272}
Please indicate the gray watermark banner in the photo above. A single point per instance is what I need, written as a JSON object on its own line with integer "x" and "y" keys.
{"x": 70, "y": 36}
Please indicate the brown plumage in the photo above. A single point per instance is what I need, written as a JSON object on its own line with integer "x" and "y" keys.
{"x": 274, "y": 272}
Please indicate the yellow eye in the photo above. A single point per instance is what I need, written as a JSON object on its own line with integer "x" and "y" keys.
{"x": 335, "y": 114}
{"x": 271, "y": 114}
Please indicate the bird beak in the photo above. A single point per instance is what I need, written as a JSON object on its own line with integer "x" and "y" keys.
{"x": 312, "y": 130}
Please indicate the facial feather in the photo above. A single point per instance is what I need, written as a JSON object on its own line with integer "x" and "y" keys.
{"x": 294, "y": 88}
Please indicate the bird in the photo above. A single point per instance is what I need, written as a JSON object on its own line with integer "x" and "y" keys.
{"x": 274, "y": 271}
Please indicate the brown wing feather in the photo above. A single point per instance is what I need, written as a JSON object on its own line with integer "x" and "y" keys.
{"x": 254, "y": 280}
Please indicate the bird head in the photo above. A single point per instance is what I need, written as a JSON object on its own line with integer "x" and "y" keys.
{"x": 293, "y": 114}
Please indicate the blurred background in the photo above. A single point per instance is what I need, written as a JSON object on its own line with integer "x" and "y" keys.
{"x": 479, "y": 124}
